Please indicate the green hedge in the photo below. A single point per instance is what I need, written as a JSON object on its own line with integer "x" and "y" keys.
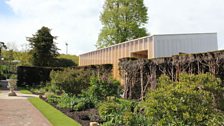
{"x": 30, "y": 75}
{"x": 27, "y": 75}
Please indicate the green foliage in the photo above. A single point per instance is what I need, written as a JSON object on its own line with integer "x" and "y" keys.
{"x": 53, "y": 99}
{"x": 74, "y": 96}
{"x": 43, "y": 47}
{"x": 63, "y": 63}
{"x": 2, "y": 46}
{"x": 191, "y": 101}
{"x": 102, "y": 88}
{"x": 97, "y": 92}
{"x": 71, "y": 102}
{"x": 66, "y": 60}
{"x": 38, "y": 90}
{"x": 3, "y": 72}
{"x": 33, "y": 76}
{"x": 83, "y": 103}
{"x": 66, "y": 101}
{"x": 122, "y": 20}
{"x": 120, "y": 112}
{"x": 24, "y": 58}
{"x": 25, "y": 91}
{"x": 71, "y": 81}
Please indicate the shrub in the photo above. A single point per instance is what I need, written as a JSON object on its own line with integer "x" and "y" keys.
{"x": 63, "y": 62}
{"x": 119, "y": 112}
{"x": 37, "y": 89}
{"x": 98, "y": 91}
{"x": 53, "y": 99}
{"x": 66, "y": 101}
{"x": 84, "y": 103}
{"x": 70, "y": 81}
{"x": 33, "y": 76}
{"x": 101, "y": 88}
{"x": 191, "y": 101}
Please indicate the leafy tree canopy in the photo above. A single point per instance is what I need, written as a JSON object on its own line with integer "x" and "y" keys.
{"x": 2, "y": 46}
{"x": 43, "y": 47}
{"x": 122, "y": 20}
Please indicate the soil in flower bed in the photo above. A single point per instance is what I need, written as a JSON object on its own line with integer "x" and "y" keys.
{"x": 83, "y": 117}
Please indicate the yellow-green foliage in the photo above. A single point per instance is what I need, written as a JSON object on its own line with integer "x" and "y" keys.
{"x": 23, "y": 57}
{"x": 190, "y": 101}
{"x": 74, "y": 58}
{"x": 195, "y": 100}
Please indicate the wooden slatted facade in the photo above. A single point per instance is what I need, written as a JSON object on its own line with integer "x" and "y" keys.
{"x": 111, "y": 55}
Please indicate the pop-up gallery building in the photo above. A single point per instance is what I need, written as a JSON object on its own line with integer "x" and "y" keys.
{"x": 154, "y": 46}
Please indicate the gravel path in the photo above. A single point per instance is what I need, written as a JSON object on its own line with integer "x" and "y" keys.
{"x": 18, "y": 111}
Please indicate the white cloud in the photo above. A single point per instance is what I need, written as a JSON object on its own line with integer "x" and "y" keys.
{"x": 77, "y": 21}
{"x": 74, "y": 22}
{"x": 183, "y": 16}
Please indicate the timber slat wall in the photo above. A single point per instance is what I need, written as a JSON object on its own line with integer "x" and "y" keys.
{"x": 111, "y": 55}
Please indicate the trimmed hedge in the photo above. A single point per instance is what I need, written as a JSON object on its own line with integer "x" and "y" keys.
{"x": 30, "y": 75}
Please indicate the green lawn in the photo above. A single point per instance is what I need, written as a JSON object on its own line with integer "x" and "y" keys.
{"x": 56, "y": 117}
{"x": 24, "y": 91}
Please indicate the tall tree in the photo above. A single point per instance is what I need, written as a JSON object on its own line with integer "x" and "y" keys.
{"x": 43, "y": 47}
{"x": 122, "y": 20}
{"x": 2, "y": 45}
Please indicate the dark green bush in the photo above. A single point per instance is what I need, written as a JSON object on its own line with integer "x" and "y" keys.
{"x": 63, "y": 62}
{"x": 33, "y": 76}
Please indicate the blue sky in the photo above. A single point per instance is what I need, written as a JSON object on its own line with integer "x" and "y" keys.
{"x": 5, "y": 9}
{"x": 77, "y": 21}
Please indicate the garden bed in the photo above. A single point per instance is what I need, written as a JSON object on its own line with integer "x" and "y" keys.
{"x": 82, "y": 117}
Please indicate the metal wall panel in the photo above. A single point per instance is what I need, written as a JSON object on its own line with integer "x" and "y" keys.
{"x": 168, "y": 45}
